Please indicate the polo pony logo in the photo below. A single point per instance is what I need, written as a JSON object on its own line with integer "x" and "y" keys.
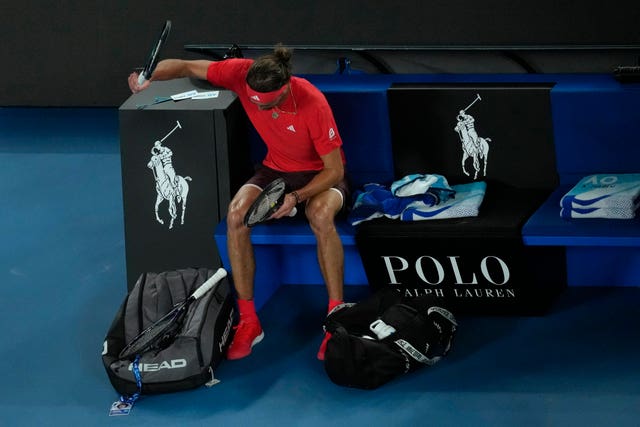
{"x": 169, "y": 186}
{"x": 473, "y": 146}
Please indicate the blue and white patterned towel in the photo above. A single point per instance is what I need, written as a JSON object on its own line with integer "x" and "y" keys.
{"x": 604, "y": 191}
{"x": 593, "y": 212}
{"x": 376, "y": 200}
{"x": 465, "y": 203}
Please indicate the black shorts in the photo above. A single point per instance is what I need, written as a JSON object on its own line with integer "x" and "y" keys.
{"x": 295, "y": 180}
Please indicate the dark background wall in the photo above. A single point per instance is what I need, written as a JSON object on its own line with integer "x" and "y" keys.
{"x": 79, "y": 52}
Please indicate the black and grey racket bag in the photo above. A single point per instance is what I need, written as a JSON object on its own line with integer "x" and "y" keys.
{"x": 188, "y": 361}
{"x": 384, "y": 336}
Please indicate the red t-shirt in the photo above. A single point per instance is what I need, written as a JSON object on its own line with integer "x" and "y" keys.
{"x": 294, "y": 142}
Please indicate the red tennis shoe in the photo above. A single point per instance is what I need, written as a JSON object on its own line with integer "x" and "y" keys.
{"x": 248, "y": 333}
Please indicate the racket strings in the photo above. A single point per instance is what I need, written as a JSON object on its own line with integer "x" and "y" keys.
{"x": 267, "y": 204}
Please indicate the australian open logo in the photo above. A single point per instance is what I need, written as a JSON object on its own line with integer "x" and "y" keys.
{"x": 473, "y": 146}
{"x": 169, "y": 186}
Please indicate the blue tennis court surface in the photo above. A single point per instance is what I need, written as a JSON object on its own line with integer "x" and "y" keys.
{"x": 63, "y": 276}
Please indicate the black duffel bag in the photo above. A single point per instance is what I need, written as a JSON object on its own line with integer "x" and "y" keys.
{"x": 384, "y": 336}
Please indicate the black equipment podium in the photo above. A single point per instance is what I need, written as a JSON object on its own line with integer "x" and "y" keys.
{"x": 182, "y": 161}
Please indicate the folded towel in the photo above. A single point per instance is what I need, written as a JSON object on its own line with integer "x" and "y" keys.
{"x": 612, "y": 213}
{"x": 609, "y": 191}
{"x": 604, "y": 202}
{"x": 465, "y": 203}
{"x": 592, "y": 212}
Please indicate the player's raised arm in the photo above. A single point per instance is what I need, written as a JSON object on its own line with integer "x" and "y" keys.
{"x": 169, "y": 69}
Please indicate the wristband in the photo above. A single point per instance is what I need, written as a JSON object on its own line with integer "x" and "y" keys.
{"x": 295, "y": 194}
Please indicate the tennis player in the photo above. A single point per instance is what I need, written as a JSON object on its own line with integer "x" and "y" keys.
{"x": 304, "y": 147}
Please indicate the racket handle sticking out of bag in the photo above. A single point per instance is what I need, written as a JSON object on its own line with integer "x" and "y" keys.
{"x": 161, "y": 333}
{"x": 267, "y": 203}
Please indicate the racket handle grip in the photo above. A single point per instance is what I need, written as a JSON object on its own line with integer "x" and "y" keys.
{"x": 293, "y": 212}
{"x": 210, "y": 283}
{"x": 141, "y": 78}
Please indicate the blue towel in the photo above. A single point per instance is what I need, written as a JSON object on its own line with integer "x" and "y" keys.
{"x": 465, "y": 203}
{"x": 604, "y": 191}
{"x": 376, "y": 200}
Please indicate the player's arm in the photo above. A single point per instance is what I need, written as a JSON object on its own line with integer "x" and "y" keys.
{"x": 330, "y": 175}
{"x": 169, "y": 69}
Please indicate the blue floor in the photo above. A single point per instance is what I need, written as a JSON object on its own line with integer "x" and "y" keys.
{"x": 63, "y": 276}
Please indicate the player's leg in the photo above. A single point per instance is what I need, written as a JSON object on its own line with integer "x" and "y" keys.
{"x": 321, "y": 211}
{"x": 248, "y": 331}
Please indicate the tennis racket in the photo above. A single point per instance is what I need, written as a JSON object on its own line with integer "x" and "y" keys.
{"x": 160, "y": 334}
{"x": 269, "y": 201}
{"x": 152, "y": 61}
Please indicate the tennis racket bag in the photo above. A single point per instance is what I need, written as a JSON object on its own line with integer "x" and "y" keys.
{"x": 384, "y": 336}
{"x": 201, "y": 343}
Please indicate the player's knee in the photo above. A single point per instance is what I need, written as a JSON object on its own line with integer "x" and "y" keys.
{"x": 320, "y": 216}
{"x": 235, "y": 218}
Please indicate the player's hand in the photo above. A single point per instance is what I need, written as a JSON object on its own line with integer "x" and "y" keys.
{"x": 133, "y": 83}
{"x": 287, "y": 208}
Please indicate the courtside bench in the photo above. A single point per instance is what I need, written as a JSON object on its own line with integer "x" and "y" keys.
{"x": 286, "y": 251}
{"x": 597, "y": 123}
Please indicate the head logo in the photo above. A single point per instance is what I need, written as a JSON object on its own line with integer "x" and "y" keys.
{"x": 165, "y": 364}
{"x": 227, "y": 330}
{"x": 256, "y": 98}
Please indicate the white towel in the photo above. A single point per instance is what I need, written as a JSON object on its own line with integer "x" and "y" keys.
{"x": 417, "y": 184}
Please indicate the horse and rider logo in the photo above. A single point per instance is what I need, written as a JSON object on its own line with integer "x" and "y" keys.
{"x": 473, "y": 146}
{"x": 169, "y": 186}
